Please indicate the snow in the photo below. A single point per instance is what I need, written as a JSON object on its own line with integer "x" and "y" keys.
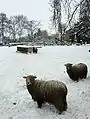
{"x": 48, "y": 64}
{"x": 26, "y": 46}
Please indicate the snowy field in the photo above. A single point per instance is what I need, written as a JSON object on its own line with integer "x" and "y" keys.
{"x": 48, "y": 64}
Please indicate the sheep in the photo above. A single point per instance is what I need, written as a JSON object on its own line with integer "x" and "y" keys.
{"x": 77, "y": 71}
{"x": 52, "y": 92}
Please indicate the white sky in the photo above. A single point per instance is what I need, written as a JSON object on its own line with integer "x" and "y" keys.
{"x": 33, "y": 9}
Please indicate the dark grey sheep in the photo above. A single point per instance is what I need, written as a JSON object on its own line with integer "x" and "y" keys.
{"x": 52, "y": 91}
{"x": 77, "y": 71}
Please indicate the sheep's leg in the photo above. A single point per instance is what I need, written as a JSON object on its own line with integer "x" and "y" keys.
{"x": 39, "y": 103}
{"x": 65, "y": 103}
{"x": 85, "y": 75}
{"x": 59, "y": 106}
{"x": 62, "y": 107}
{"x": 76, "y": 78}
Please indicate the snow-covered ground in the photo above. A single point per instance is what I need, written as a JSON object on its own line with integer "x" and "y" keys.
{"x": 48, "y": 63}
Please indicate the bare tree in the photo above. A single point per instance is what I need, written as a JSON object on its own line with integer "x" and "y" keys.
{"x": 13, "y": 29}
{"x": 84, "y": 21}
{"x": 32, "y": 27}
{"x": 61, "y": 8}
{"x": 56, "y": 18}
{"x": 3, "y": 26}
{"x": 16, "y": 26}
{"x": 22, "y": 21}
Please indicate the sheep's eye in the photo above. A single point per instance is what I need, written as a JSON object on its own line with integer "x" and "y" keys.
{"x": 28, "y": 83}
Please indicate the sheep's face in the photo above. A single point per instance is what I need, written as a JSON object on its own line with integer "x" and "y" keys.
{"x": 68, "y": 66}
{"x": 30, "y": 79}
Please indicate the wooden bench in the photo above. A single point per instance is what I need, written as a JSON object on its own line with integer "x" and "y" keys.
{"x": 28, "y": 49}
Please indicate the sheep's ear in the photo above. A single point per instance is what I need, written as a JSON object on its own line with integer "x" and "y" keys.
{"x": 24, "y": 77}
{"x": 71, "y": 64}
{"x": 34, "y": 77}
{"x": 68, "y": 64}
{"x": 65, "y": 64}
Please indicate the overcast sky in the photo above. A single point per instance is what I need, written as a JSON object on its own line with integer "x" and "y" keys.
{"x": 33, "y": 9}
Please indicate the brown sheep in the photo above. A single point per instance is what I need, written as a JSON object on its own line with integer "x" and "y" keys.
{"x": 77, "y": 71}
{"x": 53, "y": 92}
